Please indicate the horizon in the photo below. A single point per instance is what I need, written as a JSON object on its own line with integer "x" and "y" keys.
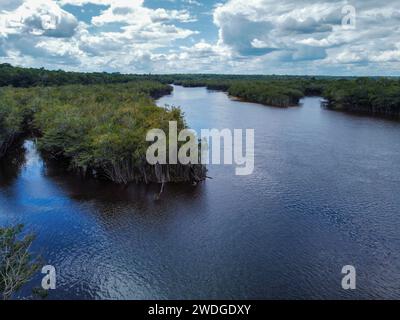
{"x": 208, "y": 74}
{"x": 234, "y": 37}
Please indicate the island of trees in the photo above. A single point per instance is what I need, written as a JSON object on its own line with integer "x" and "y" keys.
{"x": 17, "y": 264}
{"x": 99, "y": 129}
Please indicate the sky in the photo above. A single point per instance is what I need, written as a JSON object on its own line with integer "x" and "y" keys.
{"x": 299, "y": 37}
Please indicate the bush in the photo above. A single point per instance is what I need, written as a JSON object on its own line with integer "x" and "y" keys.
{"x": 17, "y": 265}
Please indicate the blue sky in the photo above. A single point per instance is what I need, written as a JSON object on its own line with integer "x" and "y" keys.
{"x": 336, "y": 37}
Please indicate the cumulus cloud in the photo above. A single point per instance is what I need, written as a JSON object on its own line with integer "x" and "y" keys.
{"x": 43, "y": 32}
{"x": 133, "y": 11}
{"x": 306, "y": 30}
{"x": 38, "y": 32}
{"x": 44, "y": 18}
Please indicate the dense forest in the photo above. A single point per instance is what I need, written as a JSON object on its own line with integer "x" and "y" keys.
{"x": 29, "y": 77}
{"x": 364, "y": 95}
{"x": 280, "y": 91}
{"x": 99, "y": 129}
{"x": 378, "y": 96}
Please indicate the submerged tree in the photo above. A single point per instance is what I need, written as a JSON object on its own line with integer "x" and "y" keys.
{"x": 17, "y": 264}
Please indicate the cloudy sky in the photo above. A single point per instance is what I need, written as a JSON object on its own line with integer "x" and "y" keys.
{"x": 231, "y": 36}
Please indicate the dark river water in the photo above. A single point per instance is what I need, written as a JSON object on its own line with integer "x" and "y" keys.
{"x": 324, "y": 194}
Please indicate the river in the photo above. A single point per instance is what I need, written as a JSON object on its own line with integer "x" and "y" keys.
{"x": 324, "y": 194}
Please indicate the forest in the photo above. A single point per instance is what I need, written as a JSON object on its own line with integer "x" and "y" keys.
{"x": 375, "y": 96}
{"x": 365, "y": 95}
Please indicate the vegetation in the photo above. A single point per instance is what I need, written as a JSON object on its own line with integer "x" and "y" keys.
{"x": 30, "y": 77}
{"x": 100, "y": 129}
{"x": 98, "y": 120}
{"x": 270, "y": 93}
{"x": 16, "y": 109}
{"x": 376, "y": 96}
{"x": 372, "y": 96}
{"x": 269, "y": 90}
{"x": 17, "y": 265}
{"x": 9, "y": 126}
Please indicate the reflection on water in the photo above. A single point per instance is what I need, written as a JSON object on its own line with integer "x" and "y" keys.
{"x": 10, "y": 166}
{"x": 324, "y": 194}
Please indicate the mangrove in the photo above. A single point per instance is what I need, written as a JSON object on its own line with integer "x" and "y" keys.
{"x": 100, "y": 130}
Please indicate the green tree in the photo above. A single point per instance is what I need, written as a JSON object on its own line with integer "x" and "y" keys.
{"x": 17, "y": 264}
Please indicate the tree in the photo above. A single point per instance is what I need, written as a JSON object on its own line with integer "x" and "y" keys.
{"x": 17, "y": 264}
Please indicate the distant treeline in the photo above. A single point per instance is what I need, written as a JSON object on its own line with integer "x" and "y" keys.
{"x": 30, "y": 77}
{"x": 378, "y": 96}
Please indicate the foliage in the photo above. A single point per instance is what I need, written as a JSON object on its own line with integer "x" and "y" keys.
{"x": 100, "y": 129}
{"x": 374, "y": 96}
{"x": 29, "y": 77}
{"x": 269, "y": 90}
{"x": 16, "y": 110}
{"x": 101, "y": 124}
{"x": 17, "y": 265}
{"x": 270, "y": 93}
{"x": 378, "y": 96}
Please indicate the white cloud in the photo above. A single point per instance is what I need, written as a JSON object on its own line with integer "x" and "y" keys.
{"x": 140, "y": 15}
{"x": 310, "y": 31}
{"x": 254, "y": 36}
{"x": 38, "y": 18}
{"x": 41, "y": 31}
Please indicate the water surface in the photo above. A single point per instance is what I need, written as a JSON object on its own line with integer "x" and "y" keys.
{"x": 324, "y": 194}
